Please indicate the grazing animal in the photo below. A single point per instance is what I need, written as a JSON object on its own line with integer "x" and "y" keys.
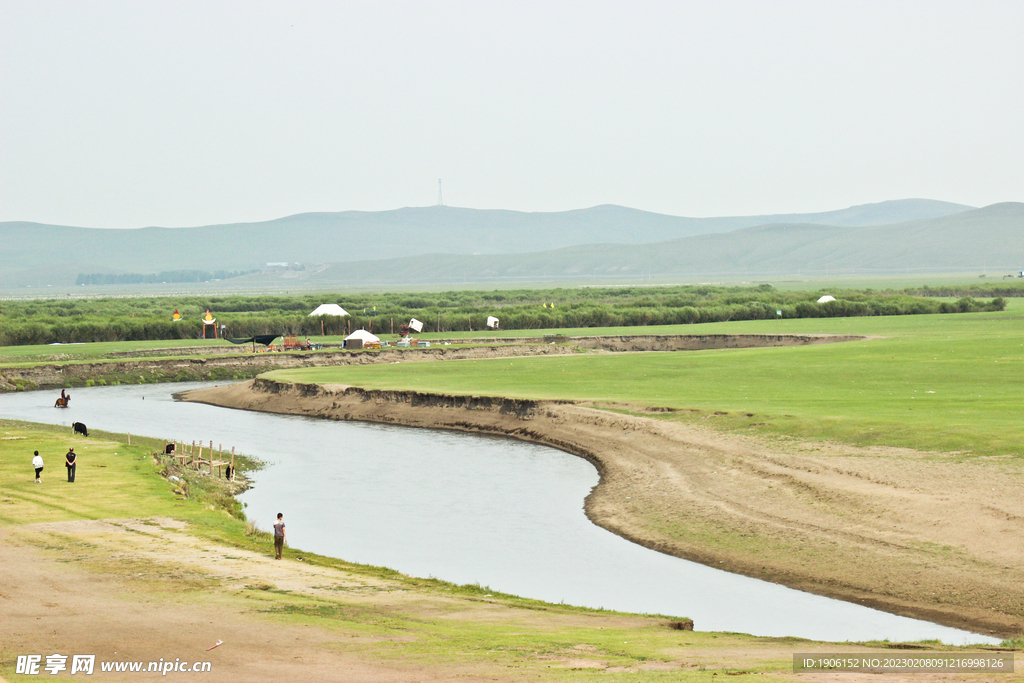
{"x": 169, "y": 448}
{"x": 80, "y": 428}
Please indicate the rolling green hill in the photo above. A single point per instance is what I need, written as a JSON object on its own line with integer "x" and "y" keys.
{"x": 988, "y": 238}
{"x": 35, "y": 254}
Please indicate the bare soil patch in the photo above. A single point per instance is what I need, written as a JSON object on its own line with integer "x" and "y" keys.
{"x": 134, "y": 590}
{"x": 51, "y": 605}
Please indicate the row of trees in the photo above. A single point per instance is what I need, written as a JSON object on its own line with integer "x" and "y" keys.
{"x": 69, "y": 321}
{"x": 158, "y": 278}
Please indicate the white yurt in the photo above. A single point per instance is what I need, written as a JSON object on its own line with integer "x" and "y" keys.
{"x": 329, "y": 309}
{"x": 825, "y": 299}
{"x": 363, "y": 336}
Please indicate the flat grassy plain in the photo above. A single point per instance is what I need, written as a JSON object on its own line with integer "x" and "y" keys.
{"x": 934, "y": 382}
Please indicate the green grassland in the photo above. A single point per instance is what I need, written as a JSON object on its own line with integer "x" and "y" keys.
{"x": 943, "y": 382}
{"x": 114, "y": 480}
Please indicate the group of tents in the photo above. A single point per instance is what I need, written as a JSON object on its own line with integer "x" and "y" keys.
{"x": 334, "y": 309}
{"x": 362, "y": 336}
{"x": 323, "y": 309}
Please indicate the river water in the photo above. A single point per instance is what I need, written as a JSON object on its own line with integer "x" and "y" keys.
{"x": 467, "y": 509}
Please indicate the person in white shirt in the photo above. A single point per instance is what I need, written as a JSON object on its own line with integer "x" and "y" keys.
{"x": 37, "y": 462}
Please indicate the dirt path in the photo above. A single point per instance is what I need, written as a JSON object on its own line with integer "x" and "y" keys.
{"x": 155, "y": 591}
{"x": 913, "y": 533}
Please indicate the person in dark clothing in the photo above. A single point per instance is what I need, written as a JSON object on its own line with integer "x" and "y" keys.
{"x": 71, "y": 461}
{"x": 279, "y": 536}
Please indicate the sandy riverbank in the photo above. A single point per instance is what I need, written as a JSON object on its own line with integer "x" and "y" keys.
{"x": 139, "y": 590}
{"x": 913, "y": 533}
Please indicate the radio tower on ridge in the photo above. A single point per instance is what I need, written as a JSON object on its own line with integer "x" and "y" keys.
{"x": 440, "y": 202}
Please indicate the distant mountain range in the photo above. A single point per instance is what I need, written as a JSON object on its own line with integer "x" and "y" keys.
{"x": 443, "y": 244}
{"x": 987, "y": 238}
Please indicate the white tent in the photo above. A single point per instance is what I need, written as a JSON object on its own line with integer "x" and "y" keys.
{"x": 364, "y": 335}
{"x": 329, "y": 309}
{"x": 492, "y": 322}
{"x": 825, "y": 299}
{"x": 416, "y": 325}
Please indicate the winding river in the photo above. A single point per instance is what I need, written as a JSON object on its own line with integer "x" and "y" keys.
{"x": 466, "y": 509}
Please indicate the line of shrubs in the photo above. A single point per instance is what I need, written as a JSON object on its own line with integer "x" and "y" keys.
{"x": 998, "y": 289}
{"x": 70, "y": 321}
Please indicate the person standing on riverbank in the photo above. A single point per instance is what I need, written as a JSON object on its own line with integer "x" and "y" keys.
{"x": 37, "y": 462}
{"x": 279, "y": 536}
{"x": 70, "y": 461}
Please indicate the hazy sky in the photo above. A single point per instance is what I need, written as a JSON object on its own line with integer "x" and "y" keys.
{"x": 126, "y": 114}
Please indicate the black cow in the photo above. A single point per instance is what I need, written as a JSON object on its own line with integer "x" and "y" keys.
{"x": 169, "y": 448}
{"x": 80, "y": 428}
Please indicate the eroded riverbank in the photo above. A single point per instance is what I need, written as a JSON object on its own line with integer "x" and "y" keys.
{"x": 190, "y": 364}
{"x": 879, "y": 527}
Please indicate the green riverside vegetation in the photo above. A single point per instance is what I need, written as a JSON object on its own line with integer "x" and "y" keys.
{"x": 49, "y": 321}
